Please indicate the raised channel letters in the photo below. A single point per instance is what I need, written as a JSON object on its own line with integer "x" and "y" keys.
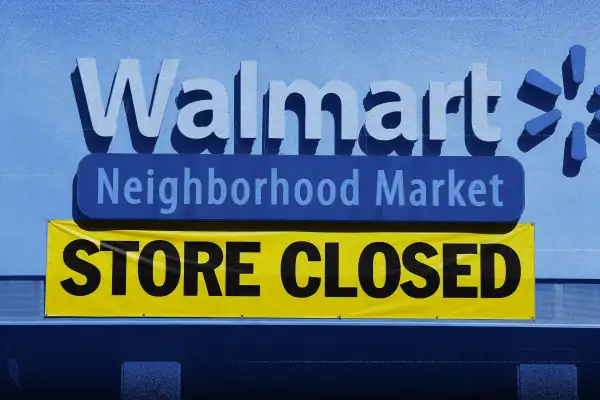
{"x": 290, "y": 274}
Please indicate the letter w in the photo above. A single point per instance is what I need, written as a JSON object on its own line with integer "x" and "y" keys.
{"x": 127, "y": 87}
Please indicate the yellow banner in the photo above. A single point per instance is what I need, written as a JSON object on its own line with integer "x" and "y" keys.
{"x": 295, "y": 274}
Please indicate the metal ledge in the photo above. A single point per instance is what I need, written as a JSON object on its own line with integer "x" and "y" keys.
{"x": 560, "y": 304}
{"x": 290, "y": 322}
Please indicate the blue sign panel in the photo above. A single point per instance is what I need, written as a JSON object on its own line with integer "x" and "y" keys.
{"x": 331, "y": 188}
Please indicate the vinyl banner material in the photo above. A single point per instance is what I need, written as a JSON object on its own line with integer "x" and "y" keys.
{"x": 289, "y": 274}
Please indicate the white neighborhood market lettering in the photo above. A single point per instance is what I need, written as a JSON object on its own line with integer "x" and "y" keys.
{"x": 391, "y": 188}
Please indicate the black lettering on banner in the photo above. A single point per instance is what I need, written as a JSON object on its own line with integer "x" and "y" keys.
{"x": 332, "y": 273}
{"x": 119, "y": 251}
{"x": 488, "y": 271}
{"x": 452, "y": 270}
{"x": 288, "y": 269}
{"x": 74, "y": 263}
{"x": 234, "y": 268}
{"x": 192, "y": 268}
{"x": 366, "y": 270}
{"x": 146, "y": 268}
{"x": 431, "y": 276}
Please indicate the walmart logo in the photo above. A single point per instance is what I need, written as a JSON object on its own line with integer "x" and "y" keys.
{"x": 542, "y": 93}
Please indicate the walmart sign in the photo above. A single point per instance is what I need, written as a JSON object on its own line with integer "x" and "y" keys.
{"x": 308, "y": 187}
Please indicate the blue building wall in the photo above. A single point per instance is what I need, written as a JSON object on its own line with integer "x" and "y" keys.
{"x": 41, "y": 140}
{"x": 415, "y": 42}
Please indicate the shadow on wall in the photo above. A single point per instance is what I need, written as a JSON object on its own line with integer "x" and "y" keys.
{"x": 434, "y": 147}
{"x": 296, "y": 104}
{"x": 526, "y": 141}
{"x": 184, "y": 145}
{"x": 240, "y": 145}
{"x": 371, "y": 146}
{"x": 99, "y": 144}
{"x": 95, "y": 143}
{"x": 474, "y": 145}
{"x": 571, "y": 165}
{"x": 570, "y": 86}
